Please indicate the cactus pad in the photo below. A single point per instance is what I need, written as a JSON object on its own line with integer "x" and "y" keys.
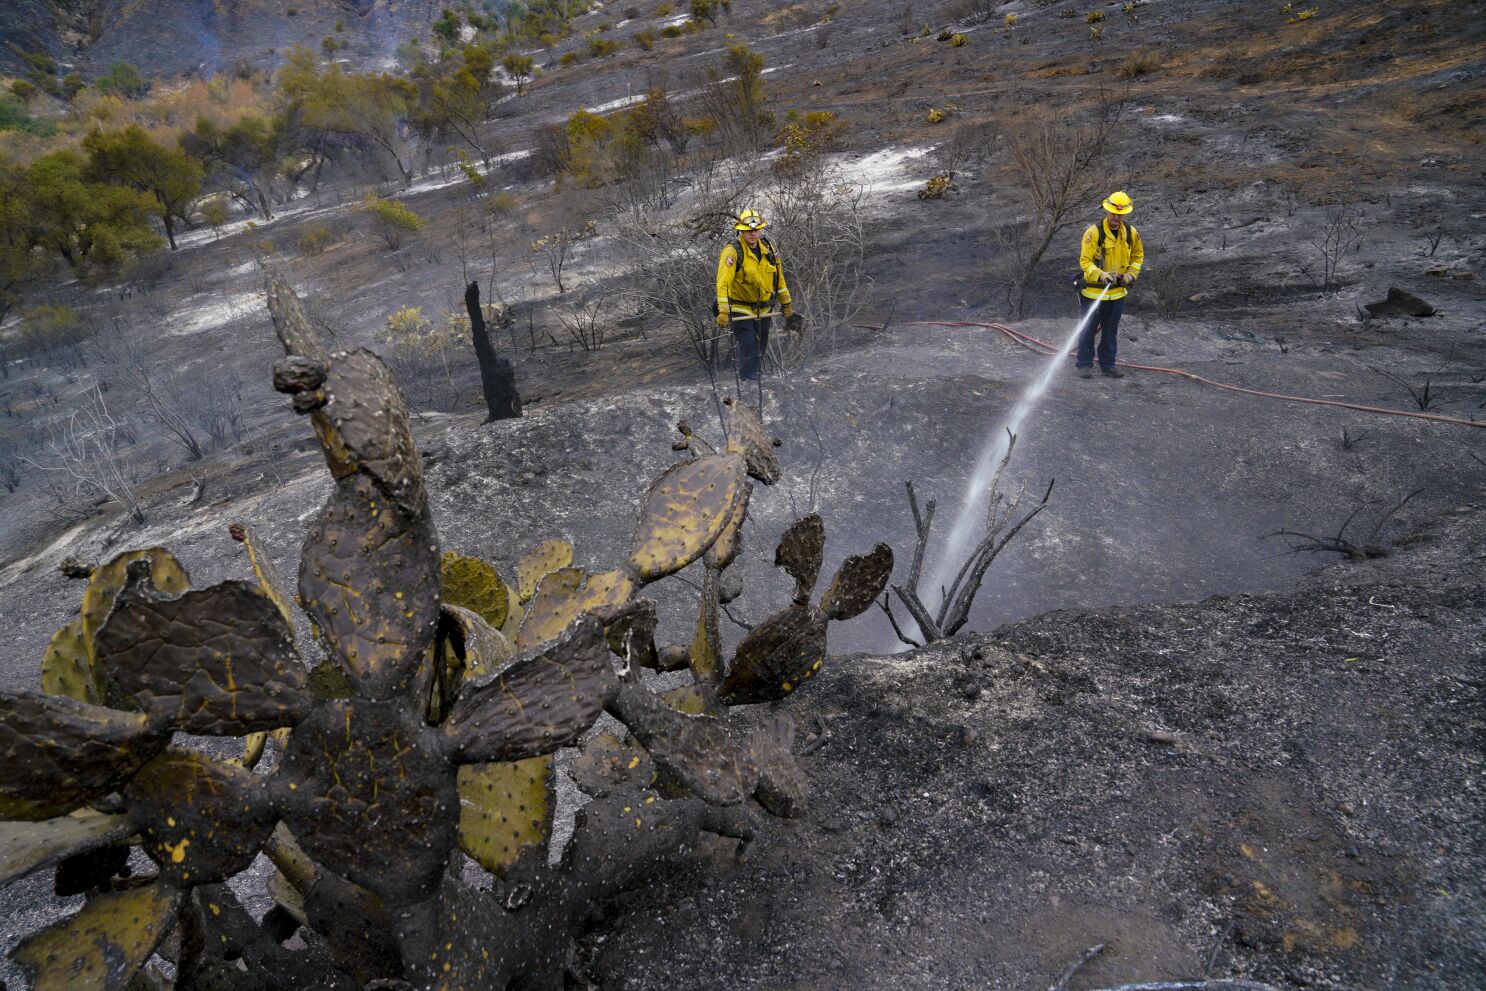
{"x": 543, "y": 559}
{"x": 696, "y": 750}
{"x": 800, "y": 553}
{"x": 29, "y": 846}
{"x": 504, "y": 809}
{"x": 686, "y": 510}
{"x": 363, "y": 427}
{"x": 474, "y": 584}
{"x": 359, "y": 762}
{"x": 746, "y": 436}
{"x": 202, "y": 820}
{"x": 104, "y": 945}
{"x": 67, "y": 667}
{"x": 607, "y": 764}
{"x": 370, "y": 581}
{"x": 781, "y": 784}
{"x": 108, "y": 580}
{"x": 542, "y": 700}
{"x": 563, "y": 595}
{"x": 218, "y": 660}
{"x": 486, "y": 649}
{"x": 777, "y": 656}
{"x": 858, "y": 583}
{"x": 57, "y": 754}
{"x": 552, "y": 607}
{"x": 724, "y": 551}
{"x": 268, "y": 576}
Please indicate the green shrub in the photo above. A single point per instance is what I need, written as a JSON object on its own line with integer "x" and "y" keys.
{"x": 602, "y": 47}
{"x": 314, "y": 239}
{"x": 49, "y": 325}
{"x": 13, "y": 117}
{"x": 671, "y": 31}
{"x": 393, "y": 220}
{"x": 1094, "y": 17}
{"x": 124, "y": 80}
{"x": 22, "y": 90}
{"x": 569, "y": 58}
{"x": 645, "y": 40}
{"x": 501, "y": 205}
{"x": 665, "y": 10}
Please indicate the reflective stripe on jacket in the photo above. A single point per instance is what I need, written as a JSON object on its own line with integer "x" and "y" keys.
{"x": 747, "y": 290}
{"x": 1122, "y": 255}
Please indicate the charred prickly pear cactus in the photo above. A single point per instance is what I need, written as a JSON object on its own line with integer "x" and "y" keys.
{"x": 431, "y": 727}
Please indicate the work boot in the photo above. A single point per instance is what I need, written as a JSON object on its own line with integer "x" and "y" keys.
{"x": 1086, "y": 373}
{"x": 1113, "y": 373}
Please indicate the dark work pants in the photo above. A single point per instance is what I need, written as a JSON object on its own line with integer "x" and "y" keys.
{"x": 1105, "y": 323}
{"x": 753, "y": 343}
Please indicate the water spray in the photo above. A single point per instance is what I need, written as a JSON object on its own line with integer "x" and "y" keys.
{"x": 971, "y": 508}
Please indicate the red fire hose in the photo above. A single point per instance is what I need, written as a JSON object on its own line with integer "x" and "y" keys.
{"x": 1042, "y": 347}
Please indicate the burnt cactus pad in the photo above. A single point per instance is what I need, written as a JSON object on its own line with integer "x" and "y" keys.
{"x": 777, "y": 656}
{"x": 370, "y": 581}
{"x": 58, "y": 754}
{"x": 30, "y": 846}
{"x": 217, "y": 661}
{"x": 364, "y": 427}
{"x": 800, "y": 553}
{"x": 746, "y": 437}
{"x": 202, "y": 820}
{"x": 544, "y": 699}
{"x": 366, "y": 790}
{"x": 858, "y": 584}
{"x": 696, "y": 750}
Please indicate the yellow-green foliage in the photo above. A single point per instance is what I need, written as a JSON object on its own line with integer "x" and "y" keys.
{"x": 49, "y": 325}
{"x": 1096, "y": 33}
{"x": 501, "y": 205}
{"x": 958, "y": 40}
{"x": 1010, "y": 22}
{"x": 665, "y": 10}
{"x": 1094, "y": 17}
{"x": 936, "y": 115}
{"x": 644, "y": 40}
{"x": 314, "y": 238}
{"x": 935, "y": 188}
{"x": 393, "y": 220}
{"x": 602, "y": 47}
{"x": 569, "y": 58}
{"x": 805, "y": 142}
{"x": 1303, "y": 15}
{"x": 214, "y": 213}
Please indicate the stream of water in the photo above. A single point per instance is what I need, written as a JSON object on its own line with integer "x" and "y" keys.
{"x": 970, "y": 519}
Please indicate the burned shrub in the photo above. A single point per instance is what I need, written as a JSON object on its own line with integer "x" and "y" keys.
{"x": 431, "y": 728}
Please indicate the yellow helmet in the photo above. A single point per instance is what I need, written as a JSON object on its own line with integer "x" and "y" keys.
{"x": 750, "y": 220}
{"x": 1119, "y": 203}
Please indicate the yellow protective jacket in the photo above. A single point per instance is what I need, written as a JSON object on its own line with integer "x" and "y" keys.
{"x": 754, "y": 287}
{"x": 1121, "y": 255}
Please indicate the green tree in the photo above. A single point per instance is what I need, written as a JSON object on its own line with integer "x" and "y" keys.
{"x": 241, "y": 159}
{"x": 447, "y": 26}
{"x": 520, "y": 67}
{"x": 372, "y": 107}
{"x": 17, "y": 235}
{"x": 92, "y": 225}
{"x": 455, "y": 96}
{"x": 132, "y": 158}
{"x": 704, "y": 10}
{"x": 124, "y": 80}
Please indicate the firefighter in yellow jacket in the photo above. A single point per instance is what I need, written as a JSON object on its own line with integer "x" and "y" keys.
{"x": 750, "y": 283}
{"x": 1110, "y": 256}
